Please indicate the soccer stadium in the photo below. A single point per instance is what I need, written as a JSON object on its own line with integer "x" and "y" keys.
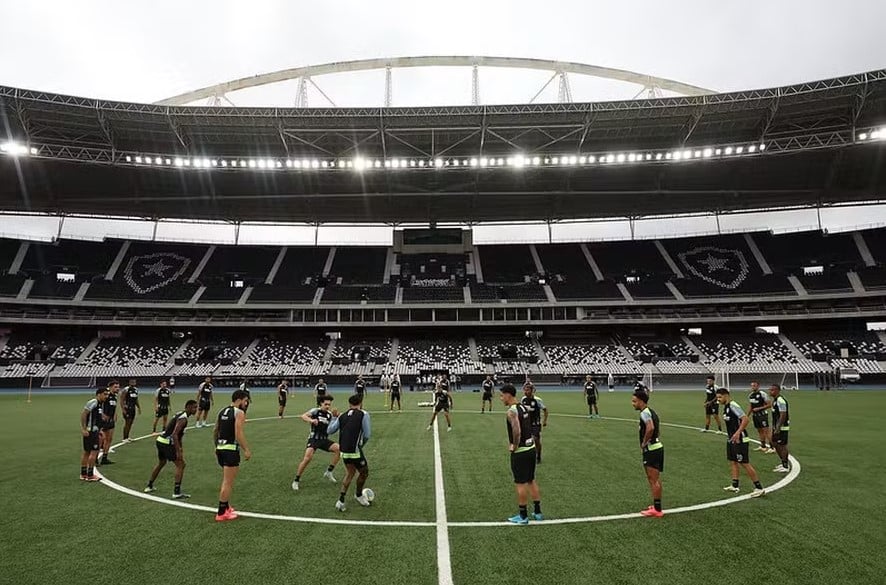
{"x": 442, "y": 302}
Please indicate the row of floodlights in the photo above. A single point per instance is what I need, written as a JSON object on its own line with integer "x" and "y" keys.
{"x": 515, "y": 161}
{"x": 878, "y": 134}
{"x": 16, "y": 149}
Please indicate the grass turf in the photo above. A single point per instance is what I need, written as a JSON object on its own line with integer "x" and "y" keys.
{"x": 825, "y": 526}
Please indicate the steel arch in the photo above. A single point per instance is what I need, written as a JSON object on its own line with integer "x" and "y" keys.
{"x": 435, "y": 61}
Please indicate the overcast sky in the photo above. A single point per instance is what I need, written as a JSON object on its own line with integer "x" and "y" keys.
{"x": 146, "y": 51}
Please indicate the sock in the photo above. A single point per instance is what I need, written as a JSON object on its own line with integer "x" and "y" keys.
{"x": 222, "y": 508}
{"x": 719, "y": 428}
{"x": 758, "y": 485}
{"x": 657, "y": 505}
{"x": 707, "y": 427}
{"x": 341, "y": 497}
{"x": 150, "y": 484}
{"x": 734, "y": 483}
{"x": 90, "y": 471}
{"x": 330, "y": 468}
{"x": 297, "y": 478}
{"x": 82, "y": 470}
{"x": 523, "y": 513}
{"x": 177, "y": 489}
{"x": 536, "y": 505}
{"x": 359, "y": 493}
{"x": 785, "y": 463}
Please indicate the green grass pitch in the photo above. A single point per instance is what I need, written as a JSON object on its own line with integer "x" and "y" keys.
{"x": 825, "y": 527}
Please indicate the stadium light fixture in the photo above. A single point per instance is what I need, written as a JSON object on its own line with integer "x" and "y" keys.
{"x": 707, "y": 152}
{"x": 438, "y": 163}
{"x": 752, "y": 148}
{"x": 14, "y": 148}
{"x": 728, "y": 150}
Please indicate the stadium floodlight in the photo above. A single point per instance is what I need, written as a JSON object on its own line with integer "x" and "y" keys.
{"x": 187, "y": 162}
{"x": 438, "y": 162}
{"x": 377, "y": 164}
{"x": 278, "y": 164}
{"x": 648, "y": 156}
{"x": 484, "y": 162}
{"x": 728, "y": 150}
{"x": 128, "y": 158}
{"x": 620, "y": 158}
{"x": 752, "y": 148}
{"x": 762, "y": 146}
{"x": 687, "y": 154}
{"x": 658, "y": 156}
{"x": 421, "y": 162}
{"x": 242, "y": 164}
{"x": 359, "y": 163}
{"x": 739, "y": 150}
{"x": 875, "y": 135}
{"x": 138, "y": 159}
{"x": 260, "y": 163}
{"x": 863, "y": 136}
{"x": 592, "y": 159}
{"x": 214, "y": 162}
{"x": 536, "y": 160}
{"x": 632, "y": 157}
{"x": 573, "y": 160}
{"x": 168, "y": 161}
{"x": 13, "y": 148}
{"x": 224, "y": 163}
{"x": 582, "y": 160}
{"x": 252, "y": 164}
{"x": 315, "y": 164}
{"x": 177, "y": 162}
{"x": 554, "y": 160}
{"x": 718, "y": 152}
{"x": 324, "y": 164}
{"x": 34, "y": 150}
{"x": 707, "y": 152}
{"x": 697, "y": 154}
{"x": 288, "y": 164}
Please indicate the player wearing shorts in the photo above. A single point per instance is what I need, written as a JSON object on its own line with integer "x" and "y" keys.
{"x": 591, "y": 395}
{"x": 360, "y": 385}
{"x": 354, "y": 431}
{"x": 109, "y": 421}
{"x": 90, "y": 423}
{"x": 759, "y": 405}
{"x": 781, "y": 425}
{"x": 442, "y": 403}
{"x": 230, "y": 438}
{"x": 395, "y": 392}
{"x": 522, "y": 449}
{"x": 321, "y": 390}
{"x": 169, "y": 448}
{"x": 737, "y": 442}
{"x": 162, "y": 398}
{"x": 711, "y": 406}
{"x": 536, "y": 407}
{"x": 319, "y": 418}
{"x": 652, "y": 450}
{"x": 205, "y": 401}
{"x": 130, "y": 407}
{"x": 282, "y": 394}
{"x": 488, "y": 387}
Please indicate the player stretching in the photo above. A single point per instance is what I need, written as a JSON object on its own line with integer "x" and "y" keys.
{"x": 394, "y": 384}
{"x": 737, "y": 443}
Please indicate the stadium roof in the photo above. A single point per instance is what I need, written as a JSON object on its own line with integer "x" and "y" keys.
{"x": 87, "y": 156}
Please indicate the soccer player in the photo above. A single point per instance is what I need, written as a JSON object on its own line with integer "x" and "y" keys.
{"x": 130, "y": 406}
{"x": 610, "y": 381}
{"x": 711, "y": 406}
{"x": 652, "y": 450}
{"x": 781, "y": 425}
{"x": 229, "y": 438}
{"x": 442, "y": 403}
{"x": 394, "y": 382}
{"x": 535, "y": 407}
{"x": 320, "y": 390}
{"x": 90, "y": 421}
{"x": 205, "y": 400}
{"x": 488, "y": 387}
{"x": 591, "y": 395}
{"x": 759, "y": 406}
{"x": 360, "y": 385}
{"x": 354, "y": 432}
{"x": 737, "y": 443}
{"x": 319, "y": 418}
{"x": 520, "y": 445}
{"x": 444, "y": 382}
{"x": 169, "y": 448}
{"x": 108, "y": 423}
{"x": 161, "y": 404}
{"x": 282, "y": 394}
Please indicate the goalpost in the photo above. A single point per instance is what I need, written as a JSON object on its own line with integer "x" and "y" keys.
{"x": 51, "y": 381}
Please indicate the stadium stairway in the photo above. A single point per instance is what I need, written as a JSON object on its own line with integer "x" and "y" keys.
{"x": 761, "y": 260}
{"x": 181, "y": 349}
{"x": 330, "y": 350}
{"x": 247, "y": 353}
{"x": 23, "y": 292}
{"x": 88, "y": 350}
{"x": 855, "y": 281}
{"x": 592, "y": 262}
{"x": 798, "y": 286}
{"x": 791, "y": 346}
{"x": 691, "y": 345}
{"x": 472, "y": 346}
{"x": 863, "y": 249}
{"x": 395, "y": 350}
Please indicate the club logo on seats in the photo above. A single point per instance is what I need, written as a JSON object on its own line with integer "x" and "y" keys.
{"x": 718, "y": 266}
{"x": 149, "y": 272}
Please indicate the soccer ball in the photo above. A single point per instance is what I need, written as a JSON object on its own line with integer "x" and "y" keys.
{"x": 368, "y": 494}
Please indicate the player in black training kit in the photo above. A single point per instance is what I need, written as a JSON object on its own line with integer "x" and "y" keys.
{"x": 360, "y": 385}
{"x": 488, "y": 387}
{"x": 536, "y": 407}
{"x": 108, "y": 422}
{"x": 781, "y": 425}
{"x": 319, "y": 418}
{"x": 229, "y": 438}
{"x": 737, "y": 443}
{"x": 759, "y": 405}
{"x": 395, "y": 392}
{"x": 522, "y": 449}
{"x": 90, "y": 421}
{"x": 442, "y": 403}
{"x": 591, "y": 395}
{"x": 205, "y": 401}
{"x": 711, "y": 406}
{"x": 321, "y": 390}
{"x": 162, "y": 396}
{"x": 354, "y": 431}
{"x": 282, "y": 394}
{"x": 130, "y": 406}
{"x": 652, "y": 450}
{"x": 169, "y": 448}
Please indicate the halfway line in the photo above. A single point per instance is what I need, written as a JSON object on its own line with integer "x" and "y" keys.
{"x": 444, "y": 562}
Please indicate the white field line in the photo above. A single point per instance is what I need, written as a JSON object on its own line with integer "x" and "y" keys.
{"x": 444, "y": 561}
